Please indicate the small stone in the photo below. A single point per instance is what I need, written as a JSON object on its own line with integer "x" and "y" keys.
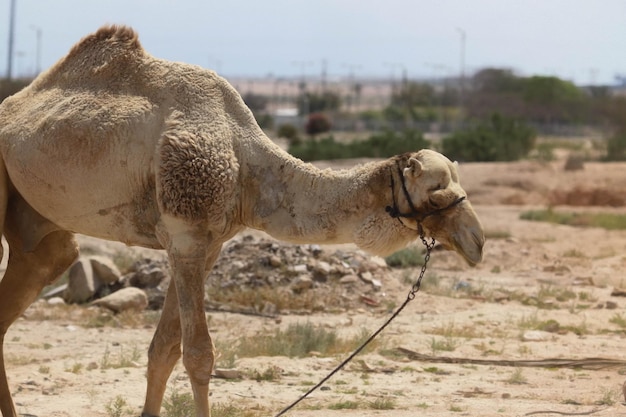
{"x": 274, "y": 261}
{"x": 536, "y": 336}
{"x": 302, "y": 282}
{"x": 227, "y": 373}
{"x": 322, "y": 267}
{"x": 55, "y": 301}
{"x": 367, "y": 277}
{"x": 130, "y": 298}
{"x": 105, "y": 269}
{"x": 315, "y": 249}
{"x": 348, "y": 279}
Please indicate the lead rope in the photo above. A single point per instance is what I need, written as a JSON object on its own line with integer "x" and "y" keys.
{"x": 414, "y": 289}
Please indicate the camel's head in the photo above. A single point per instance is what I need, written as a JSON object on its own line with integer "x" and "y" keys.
{"x": 432, "y": 196}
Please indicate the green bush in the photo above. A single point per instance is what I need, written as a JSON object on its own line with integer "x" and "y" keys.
{"x": 616, "y": 147}
{"x": 498, "y": 139}
{"x": 382, "y": 145}
{"x": 289, "y": 132}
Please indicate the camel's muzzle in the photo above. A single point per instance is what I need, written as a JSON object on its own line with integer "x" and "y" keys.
{"x": 459, "y": 229}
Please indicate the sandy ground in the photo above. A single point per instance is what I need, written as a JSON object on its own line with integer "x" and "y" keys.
{"x": 55, "y": 361}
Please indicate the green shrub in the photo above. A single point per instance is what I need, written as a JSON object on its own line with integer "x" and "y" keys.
{"x": 289, "y": 132}
{"x": 382, "y": 145}
{"x": 498, "y": 139}
{"x": 616, "y": 147}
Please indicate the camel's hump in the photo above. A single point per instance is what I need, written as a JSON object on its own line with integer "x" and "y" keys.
{"x": 119, "y": 36}
{"x": 111, "y": 53}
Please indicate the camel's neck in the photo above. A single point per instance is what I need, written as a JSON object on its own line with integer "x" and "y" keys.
{"x": 297, "y": 202}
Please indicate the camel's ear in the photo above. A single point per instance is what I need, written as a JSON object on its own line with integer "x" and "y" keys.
{"x": 413, "y": 169}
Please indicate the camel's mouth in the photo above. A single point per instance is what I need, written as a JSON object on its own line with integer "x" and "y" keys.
{"x": 459, "y": 230}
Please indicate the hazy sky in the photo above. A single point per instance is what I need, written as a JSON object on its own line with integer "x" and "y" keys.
{"x": 579, "y": 40}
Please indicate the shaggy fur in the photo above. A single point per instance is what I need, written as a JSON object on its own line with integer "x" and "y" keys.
{"x": 114, "y": 143}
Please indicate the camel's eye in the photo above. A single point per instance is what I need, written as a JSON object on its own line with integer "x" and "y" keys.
{"x": 436, "y": 188}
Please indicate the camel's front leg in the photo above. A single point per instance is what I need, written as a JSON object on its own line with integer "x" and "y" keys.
{"x": 198, "y": 351}
{"x": 163, "y": 354}
{"x": 191, "y": 253}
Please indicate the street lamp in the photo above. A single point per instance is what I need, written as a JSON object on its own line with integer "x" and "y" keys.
{"x": 11, "y": 35}
{"x": 37, "y": 30}
{"x": 462, "y": 94}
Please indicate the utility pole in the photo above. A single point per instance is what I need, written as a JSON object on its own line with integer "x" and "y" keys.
{"x": 462, "y": 68}
{"x": 38, "y": 31}
{"x": 11, "y": 37}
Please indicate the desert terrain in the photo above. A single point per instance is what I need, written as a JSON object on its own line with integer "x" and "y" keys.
{"x": 544, "y": 291}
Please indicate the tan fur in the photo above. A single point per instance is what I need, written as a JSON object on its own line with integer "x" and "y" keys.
{"x": 114, "y": 143}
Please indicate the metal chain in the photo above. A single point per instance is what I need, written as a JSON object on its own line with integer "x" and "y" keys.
{"x": 414, "y": 289}
{"x": 429, "y": 247}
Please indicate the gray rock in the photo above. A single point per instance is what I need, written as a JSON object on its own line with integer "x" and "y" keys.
{"x": 130, "y": 298}
{"x": 104, "y": 268}
{"x": 348, "y": 279}
{"x": 82, "y": 283}
{"x": 536, "y": 336}
{"x": 55, "y": 292}
{"x": 301, "y": 282}
{"x": 148, "y": 274}
{"x": 54, "y": 301}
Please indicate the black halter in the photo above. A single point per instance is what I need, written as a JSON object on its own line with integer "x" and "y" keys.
{"x": 414, "y": 214}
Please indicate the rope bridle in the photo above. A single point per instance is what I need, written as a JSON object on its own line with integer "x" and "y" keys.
{"x": 414, "y": 214}
{"x": 394, "y": 212}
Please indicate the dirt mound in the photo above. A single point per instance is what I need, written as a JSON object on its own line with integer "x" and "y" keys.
{"x": 588, "y": 196}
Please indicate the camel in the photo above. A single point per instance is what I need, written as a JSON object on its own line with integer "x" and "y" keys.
{"x": 114, "y": 143}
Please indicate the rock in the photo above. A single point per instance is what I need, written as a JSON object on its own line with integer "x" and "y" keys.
{"x": 322, "y": 267}
{"x": 321, "y": 271}
{"x": 536, "y": 336}
{"x": 55, "y": 301}
{"x": 348, "y": 279}
{"x": 618, "y": 292}
{"x": 376, "y": 284}
{"x": 227, "y": 373}
{"x": 301, "y": 282}
{"x": 316, "y": 250}
{"x": 82, "y": 283}
{"x": 55, "y": 292}
{"x": 274, "y": 261}
{"x": 130, "y": 298}
{"x": 148, "y": 274}
{"x": 368, "y": 266}
{"x": 104, "y": 268}
{"x": 367, "y": 277}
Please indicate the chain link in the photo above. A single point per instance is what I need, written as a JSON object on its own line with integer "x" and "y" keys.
{"x": 429, "y": 247}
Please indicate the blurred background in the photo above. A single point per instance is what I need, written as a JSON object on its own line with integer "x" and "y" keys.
{"x": 479, "y": 80}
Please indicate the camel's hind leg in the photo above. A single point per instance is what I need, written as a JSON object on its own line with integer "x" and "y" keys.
{"x": 27, "y": 273}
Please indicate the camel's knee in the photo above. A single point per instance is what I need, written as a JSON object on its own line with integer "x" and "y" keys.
{"x": 160, "y": 352}
{"x": 199, "y": 363}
